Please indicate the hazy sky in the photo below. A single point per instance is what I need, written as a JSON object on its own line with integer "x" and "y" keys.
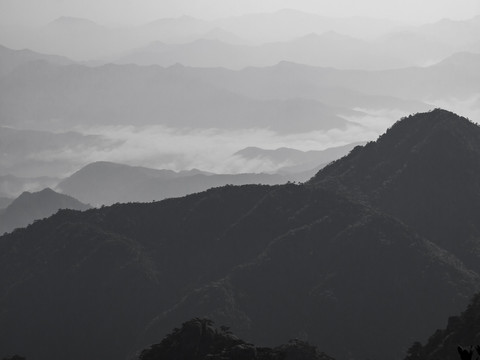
{"x": 36, "y": 12}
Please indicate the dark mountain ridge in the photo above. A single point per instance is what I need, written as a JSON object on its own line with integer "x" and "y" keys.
{"x": 323, "y": 261}
{"x": 415, "y": 172}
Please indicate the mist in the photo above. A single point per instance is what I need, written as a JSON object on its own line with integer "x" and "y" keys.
{"x": 183, "y": 93}
{"x": 287, "y": 169}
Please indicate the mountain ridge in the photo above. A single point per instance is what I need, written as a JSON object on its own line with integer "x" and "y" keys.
{"x": 320, "y": 261}
{"x": 429, "y": 155}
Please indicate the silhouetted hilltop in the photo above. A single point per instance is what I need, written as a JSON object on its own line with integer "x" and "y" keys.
{"x": 331, "y": 262}
{"x": 462, "y": 330}
{"x": 34, "y": 206}
{"x": 198, "y": 339}
{"x": 425, "y": 170}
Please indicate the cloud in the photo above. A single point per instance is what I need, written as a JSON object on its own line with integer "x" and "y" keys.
{"x": 213, "y": 149}
{"x": 180, "y": 149}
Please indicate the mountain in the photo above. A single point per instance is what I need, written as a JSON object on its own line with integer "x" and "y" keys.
{"x": 287, "y": 80}
{"x": 414, "y": 171}
{"x": 329, "y": 49}
{"x": 104, "y": 183}
{"x": 293, "y": 160}
{"x": 198, "y": 53}
{"x": 457, "y": 33}
{"x": 414, "y": 48}
{"x": 29, "y": 207}
{"x": 198, "y": 339}
{"x": 83, "y": 40}
{"x": 325, "y": 262}
{"x": 462, "y": 330}
{"x": 11, "y": 59}
{"x": 112, "y": 94}
{"x": 76, "y": 38}
{"x": 290, "y": 24}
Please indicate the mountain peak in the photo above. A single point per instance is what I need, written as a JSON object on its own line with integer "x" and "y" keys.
{"x": 431, "y": 135}
{"x": 418, "y": 128}
{"x": 422, "y": 163}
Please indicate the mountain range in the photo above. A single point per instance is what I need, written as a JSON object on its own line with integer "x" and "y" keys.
{"x": 85, "y": 40}
{"x": 339, "y": 261}
{"x": 48, "y": 96}
{"x": 284, "y": 98}
{"x": 104, "y": 183}
{"x": 327, "y": 49}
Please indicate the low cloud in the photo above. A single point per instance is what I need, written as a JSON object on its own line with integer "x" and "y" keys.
{"x": 183, "y": 149}
{"x": 212, "y": 149}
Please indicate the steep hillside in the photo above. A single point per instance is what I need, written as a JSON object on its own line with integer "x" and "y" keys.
{"x": 425, "y": 171}
{"x": 328, "y": 261}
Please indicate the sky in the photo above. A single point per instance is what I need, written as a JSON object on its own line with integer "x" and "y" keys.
{"x": 135, "y": 12}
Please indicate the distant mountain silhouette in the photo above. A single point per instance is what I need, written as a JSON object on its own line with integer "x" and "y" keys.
{"x": 104, "y": 183}
{"x": 460, "y": 34}
{"x": 35, "y": 206}
{"x": 83, "y": 39}
{"x": 295, "y": 161}
{"x": 337, "y": 51}
{"x": 134, "y": 95}
{"x": 462, "y": 330}
{"x": 198, "y": 339}
{"x": 11, "y": 59}
{"x": 378, "y": 89}
{"x": 328, "y": 262}
{"x": 77, "y": 38}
